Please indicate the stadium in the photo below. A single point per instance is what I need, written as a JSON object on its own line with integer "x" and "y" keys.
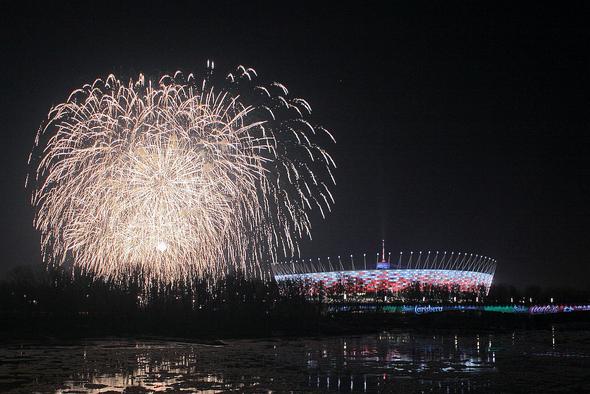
{"x": 465, "y": 272}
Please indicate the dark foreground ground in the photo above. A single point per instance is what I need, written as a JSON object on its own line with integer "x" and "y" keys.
{"x": 307, "y": 322}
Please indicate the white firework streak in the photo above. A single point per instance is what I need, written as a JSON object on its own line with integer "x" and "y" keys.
{"x": 175, "y": 180}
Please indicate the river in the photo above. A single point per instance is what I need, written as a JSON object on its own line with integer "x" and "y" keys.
{"x": 392, "y": 361}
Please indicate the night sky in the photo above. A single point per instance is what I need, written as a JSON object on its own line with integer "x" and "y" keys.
{"x": 460, "y": 126}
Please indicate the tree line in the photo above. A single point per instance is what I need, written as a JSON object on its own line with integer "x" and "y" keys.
{"x": 55, "y": 302}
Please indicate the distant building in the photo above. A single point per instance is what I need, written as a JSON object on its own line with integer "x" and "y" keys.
{"x": 462, "y": 271}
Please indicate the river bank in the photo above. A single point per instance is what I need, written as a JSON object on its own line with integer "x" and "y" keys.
{"x": 302, "y": 323}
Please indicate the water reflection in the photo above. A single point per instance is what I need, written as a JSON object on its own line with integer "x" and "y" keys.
{"x": 387, "y": 362}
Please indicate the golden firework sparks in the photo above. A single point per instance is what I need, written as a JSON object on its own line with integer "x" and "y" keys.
{"x": 175, "y": 179}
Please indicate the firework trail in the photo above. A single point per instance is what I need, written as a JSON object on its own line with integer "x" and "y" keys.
{"x": 177, "y": 178}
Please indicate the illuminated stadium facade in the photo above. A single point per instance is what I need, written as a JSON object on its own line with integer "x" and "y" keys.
{"x": 466, "y": 272}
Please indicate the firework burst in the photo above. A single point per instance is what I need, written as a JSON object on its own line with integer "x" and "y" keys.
{"x": 174, "y": 178}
